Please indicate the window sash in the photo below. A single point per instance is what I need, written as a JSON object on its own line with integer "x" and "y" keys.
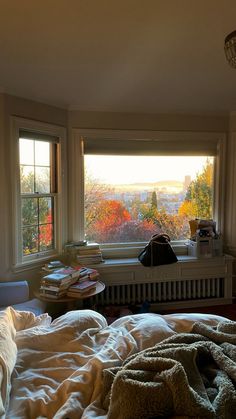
{"x": 56, "y": 136}
{"x": 36, "y": 195}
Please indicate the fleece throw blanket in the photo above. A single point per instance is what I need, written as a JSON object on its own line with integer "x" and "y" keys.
{"x": 187, "y": 375}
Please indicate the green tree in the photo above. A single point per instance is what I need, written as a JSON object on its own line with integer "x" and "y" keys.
{"x": 200, "y": 192}
{"x": 154, "y": 200}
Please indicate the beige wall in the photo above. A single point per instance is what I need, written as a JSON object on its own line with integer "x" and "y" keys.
{"x": 33, "y": 110}
{"x": 230, "y": 203}
{"x": 14, "y": 106}
{"x": 180, "y": 122}
{"x": 4, "y": 197}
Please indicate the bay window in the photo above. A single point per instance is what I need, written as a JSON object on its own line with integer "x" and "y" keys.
{"x": 132, "y": 184}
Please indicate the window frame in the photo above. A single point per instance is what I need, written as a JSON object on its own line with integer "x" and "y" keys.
{"x": 76, "y": 175}
{"x": 19, "y": 261}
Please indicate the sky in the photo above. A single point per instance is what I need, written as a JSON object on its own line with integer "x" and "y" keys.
{"x": 130, "y": 169}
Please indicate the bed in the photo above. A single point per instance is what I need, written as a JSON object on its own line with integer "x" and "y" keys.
{"x": 140, "y": 366}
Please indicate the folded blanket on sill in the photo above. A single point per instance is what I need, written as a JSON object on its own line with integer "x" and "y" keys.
{"x": 187, "y": 375}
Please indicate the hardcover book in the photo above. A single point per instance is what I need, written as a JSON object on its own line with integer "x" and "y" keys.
{"x": 79, "y": 287}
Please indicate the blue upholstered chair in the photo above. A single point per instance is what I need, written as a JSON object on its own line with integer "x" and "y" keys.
{"x": 16, "y": 294}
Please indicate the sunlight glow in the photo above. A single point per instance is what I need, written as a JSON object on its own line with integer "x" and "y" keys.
{"x": 140, "y": 169}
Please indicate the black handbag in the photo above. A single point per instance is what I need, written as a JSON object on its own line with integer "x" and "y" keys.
{"x": 158, "y": 251}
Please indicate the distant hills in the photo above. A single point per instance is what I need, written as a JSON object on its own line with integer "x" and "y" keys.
{"x": 163, "y": 184}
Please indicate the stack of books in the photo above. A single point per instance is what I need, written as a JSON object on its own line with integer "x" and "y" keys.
{"x": 88, "y": 254}
{"x": 86, "y": 281}
{"x": 81, "y": 287}
{"x": 56, "y": 284}
{"x": 52, "y": 266}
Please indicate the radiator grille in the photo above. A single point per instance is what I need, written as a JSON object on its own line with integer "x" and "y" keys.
{"x": 155, "y": 292}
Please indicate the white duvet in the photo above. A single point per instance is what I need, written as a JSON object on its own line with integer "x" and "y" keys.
{"x": 56, "y": 371}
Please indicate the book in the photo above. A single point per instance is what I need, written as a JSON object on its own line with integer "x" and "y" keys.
{"x": 53, "y": 287}
{"x": 56, "y": 277}
{"x": 64, "y": 284}
{"x": 88, "y": 271}
{"x": 68, "y": 270}
{"x": 56, "y": 263}
{"x": 52, "y": 294}
{"x": 80, "y": 287}
{"x": 89, "y": 245}
{"x": 88, "y": 252}
{"x": 53, "y": 265}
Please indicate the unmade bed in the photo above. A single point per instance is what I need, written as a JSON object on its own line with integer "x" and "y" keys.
{"x": 140, "y": 366}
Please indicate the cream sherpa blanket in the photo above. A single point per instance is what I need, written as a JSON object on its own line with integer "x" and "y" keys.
{"x": 187, "y": 375}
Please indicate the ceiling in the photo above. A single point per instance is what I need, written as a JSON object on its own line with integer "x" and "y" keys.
{"x": 144, "y": 56}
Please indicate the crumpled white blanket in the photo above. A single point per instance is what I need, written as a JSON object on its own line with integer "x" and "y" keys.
{"x": 58, "y": 371}
{"x": 10, "y": 322}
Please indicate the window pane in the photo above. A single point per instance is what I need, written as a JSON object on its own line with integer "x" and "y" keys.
{"x": 129, "y": 198}
{"x": 42, "y": 153}
{"x": 29, "y": 207}
{"x": 45, "y": 237}
{"x": 30, "y": 240}
{"x": 42, "y": 179}
{"x": 27, "y": 179}
{"x": 45, "y": 210}
{"x": 26, "y": 152}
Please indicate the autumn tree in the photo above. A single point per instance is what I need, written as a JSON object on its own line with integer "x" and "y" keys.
{"x": 188, "y": 209}
{"x": 199, "y": 196}
{"x": 136, "y": 230}
{"x": 95, "y": 192}
{"x": 110, "y": 215}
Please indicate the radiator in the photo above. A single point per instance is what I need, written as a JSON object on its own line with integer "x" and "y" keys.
{"x": 160, "y": 292}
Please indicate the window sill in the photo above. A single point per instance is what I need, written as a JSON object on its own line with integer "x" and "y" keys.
{"x": 129, "y": 262}
{"x": 131, "y": 251}
{"x": 33, "y": 264}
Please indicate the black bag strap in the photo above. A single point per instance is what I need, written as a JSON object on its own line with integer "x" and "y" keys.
{"x": 160, "y": 238}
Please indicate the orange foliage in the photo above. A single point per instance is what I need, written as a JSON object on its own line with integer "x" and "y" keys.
{"x": 110, "y": 215}
{"x": 188, "y": 209}
{"x": 46, "y": 233}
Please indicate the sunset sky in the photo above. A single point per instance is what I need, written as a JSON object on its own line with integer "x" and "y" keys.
{"x": 130, "y": 169}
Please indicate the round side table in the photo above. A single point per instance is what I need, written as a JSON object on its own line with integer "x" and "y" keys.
{"x": 71, "y": 301}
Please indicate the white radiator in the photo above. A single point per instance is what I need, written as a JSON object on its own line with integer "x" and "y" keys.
{"x": 191, "y": 282}
{"x": 160, "y": 292}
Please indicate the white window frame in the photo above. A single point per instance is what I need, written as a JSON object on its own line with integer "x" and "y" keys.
{"x": 76, "y": 176}
{"x": 19, "y": 261}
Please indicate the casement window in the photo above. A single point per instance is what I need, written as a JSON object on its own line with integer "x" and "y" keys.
{"x": 38, "y": 192}
{"x": 134, "y": 184}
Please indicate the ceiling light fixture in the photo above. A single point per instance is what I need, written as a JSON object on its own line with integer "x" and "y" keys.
{"x": 230, "y": 48}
